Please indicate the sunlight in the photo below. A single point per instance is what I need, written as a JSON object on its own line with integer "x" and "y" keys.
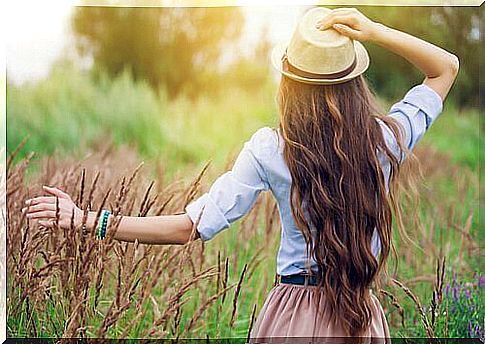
{"x": 35, "y": 37}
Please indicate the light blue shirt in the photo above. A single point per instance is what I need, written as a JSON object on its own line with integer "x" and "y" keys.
{"x": 260, "y": 166}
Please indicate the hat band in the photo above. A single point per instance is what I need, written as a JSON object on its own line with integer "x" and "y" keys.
{"x": 287, "y": 66}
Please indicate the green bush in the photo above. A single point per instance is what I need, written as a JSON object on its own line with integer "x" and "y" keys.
{"x": 68, "y": 111}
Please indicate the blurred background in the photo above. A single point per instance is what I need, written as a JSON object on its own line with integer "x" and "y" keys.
{"x": 178, "y": 87}
{"x": 186, "y": 84}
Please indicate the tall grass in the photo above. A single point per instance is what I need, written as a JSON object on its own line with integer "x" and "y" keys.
{"x": 71, "y": 113}
{"x": 66, "y": 283}
{"x": 79, "y": 127}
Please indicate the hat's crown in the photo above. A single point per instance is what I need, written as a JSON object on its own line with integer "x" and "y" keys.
{"x": 315, "y": 51}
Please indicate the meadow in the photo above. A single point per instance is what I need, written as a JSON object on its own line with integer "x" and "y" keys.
{"x": 88, "y": 137}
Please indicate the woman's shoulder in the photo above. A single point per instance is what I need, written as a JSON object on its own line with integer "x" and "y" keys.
{"x": 265, "y": 141}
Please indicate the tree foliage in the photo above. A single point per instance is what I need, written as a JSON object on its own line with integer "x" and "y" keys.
{"x": 456, "y": 29}
{"x": 175, "y": 48}
{"x": 180, "y": 49}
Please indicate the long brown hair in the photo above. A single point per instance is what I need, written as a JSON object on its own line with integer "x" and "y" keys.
{"x": 338, "y": 194}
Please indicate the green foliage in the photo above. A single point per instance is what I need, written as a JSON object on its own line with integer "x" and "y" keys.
{"x": 462, "y": 309}
{"x": 462, "y": 139}
{"x": 175, "y": 47}
{"x": 68, "y": 111}
{"x": 180, "y": 48}
{"x": 459, "y": 311}
{"x": 456, "y": 29}
{"x": 71, "y": 113}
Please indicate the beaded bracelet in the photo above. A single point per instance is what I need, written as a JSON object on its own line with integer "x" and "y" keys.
{"x": 102, "y": 224}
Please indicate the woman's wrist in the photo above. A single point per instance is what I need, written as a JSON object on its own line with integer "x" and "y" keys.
{"x": 91, "y": 219}
{"x": 94, "y": 221}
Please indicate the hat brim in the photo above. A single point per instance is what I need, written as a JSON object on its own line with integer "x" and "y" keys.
{"x": 362, "y": 63}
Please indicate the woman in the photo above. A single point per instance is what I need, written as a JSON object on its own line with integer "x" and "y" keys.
{"x": 332, "y": 167}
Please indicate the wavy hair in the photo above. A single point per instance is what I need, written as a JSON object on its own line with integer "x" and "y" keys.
{"x": 332, "y": 145}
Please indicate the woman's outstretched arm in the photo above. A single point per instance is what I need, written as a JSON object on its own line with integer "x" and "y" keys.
{"x": 439, "y": 66}
{"x": 230, "y": 197}
{"x": 165, "y": 229}
{"x": 161, "y": 230}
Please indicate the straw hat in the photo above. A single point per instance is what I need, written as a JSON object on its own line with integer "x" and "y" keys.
{"x": 314, "y": 56}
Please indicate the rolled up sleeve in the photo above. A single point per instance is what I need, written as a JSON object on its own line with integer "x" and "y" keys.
{"x": 415, "y": 113}
{"x": 232, "y": 195}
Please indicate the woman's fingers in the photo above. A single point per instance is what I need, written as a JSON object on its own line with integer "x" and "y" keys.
{"x": 337, "y": 18}
{"x": 46, "y": 209}
{"x": 39, "y": 207}
{"x": 56, "y": 192}
{"x": 347, "y": 31}
{"x": 42, "y": 199}
{"x": 349, "y": 22}
{"x": 45, "y": 214}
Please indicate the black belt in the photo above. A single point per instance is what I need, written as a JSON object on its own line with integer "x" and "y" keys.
{"x": 299, "y": 279}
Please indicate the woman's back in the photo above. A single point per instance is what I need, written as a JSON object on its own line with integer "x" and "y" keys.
{"x": 261, "y": 166}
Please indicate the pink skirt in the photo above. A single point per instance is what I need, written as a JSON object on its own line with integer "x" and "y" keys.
{"x": 290, "y": 311}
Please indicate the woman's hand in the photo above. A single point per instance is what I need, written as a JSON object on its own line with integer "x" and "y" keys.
{"x": 43, "y": 209}
{"x": 439, "y": 66}
{"x": 349, "y": 22}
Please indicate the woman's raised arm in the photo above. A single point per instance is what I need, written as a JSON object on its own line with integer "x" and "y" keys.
{"x": 439, "y": 66}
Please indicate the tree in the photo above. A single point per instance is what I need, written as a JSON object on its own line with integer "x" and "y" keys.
{"x": 456, "y": 29}
{"x": 175, "y": 48}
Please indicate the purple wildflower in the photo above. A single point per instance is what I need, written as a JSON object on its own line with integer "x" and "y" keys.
{"x": 478, "y": 330}
{"x": 469, "y": 328}
{"x": 481, "y": 281}
{"x": 472, "y": 307}
{"x": 467, "y": 293}
{"x": 447, "y": 289}
{"x": 456, "y": 293}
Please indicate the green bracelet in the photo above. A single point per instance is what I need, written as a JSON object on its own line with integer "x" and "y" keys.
{"x": 102, "y": 224}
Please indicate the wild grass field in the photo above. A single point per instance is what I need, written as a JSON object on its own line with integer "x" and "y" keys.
{"x": 88, "y": 137}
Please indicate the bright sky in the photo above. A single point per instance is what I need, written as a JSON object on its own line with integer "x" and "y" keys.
{"x": 38, "y": 33}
